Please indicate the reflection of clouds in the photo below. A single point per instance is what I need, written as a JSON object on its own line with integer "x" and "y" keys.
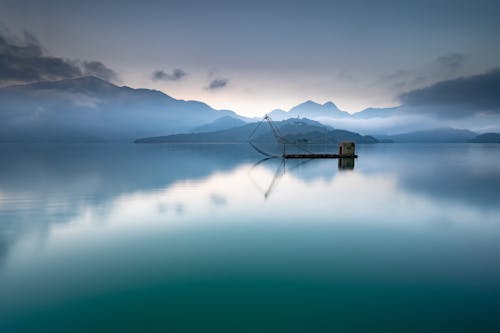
{"x": 387, "y": 187}
{"x": 179, "y": 209}
{"x": 464, "y": 174}
{"x": 162, "y": 208}
{"x": 42, "y": 185}
{"x": 352, "y": 198}
{"x": 217, "y": 199}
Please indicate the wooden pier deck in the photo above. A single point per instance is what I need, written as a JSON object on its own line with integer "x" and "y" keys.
{"x": 318, "y": 156}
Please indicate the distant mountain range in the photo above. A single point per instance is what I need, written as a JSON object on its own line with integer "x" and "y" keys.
{"x": 219, "y": 124}
{"x": 316, "y": 111}
{"x": 88, "y": 109}
{"x": 487, "y": 138}
{"x": 444, "y": 135}
{"x": 370, "y": 113}
{"x": 294, "y": 130}
{"x": 91, "y": 109}
{"x": 310, "y": 110}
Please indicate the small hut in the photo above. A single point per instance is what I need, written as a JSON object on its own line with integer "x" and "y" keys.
{"x": 347, "y": 148}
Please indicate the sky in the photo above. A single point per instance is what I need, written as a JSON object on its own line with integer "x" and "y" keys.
{"x": 256, "y": 56}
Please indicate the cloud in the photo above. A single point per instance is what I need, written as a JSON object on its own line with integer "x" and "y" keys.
{"x": 444, "y": 67}
{"x": 22, "y": 60}
{"x": 98, "y": 69}
{"x": 218, "y": 84}
{"x": 177, "y": 74}
{"x": 402, "y": 80}
{"x": 451, "y": 61}
{"x": 461, "y": 97}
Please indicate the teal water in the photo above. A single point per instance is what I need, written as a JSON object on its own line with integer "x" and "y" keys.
{"x": 209, "y": 238}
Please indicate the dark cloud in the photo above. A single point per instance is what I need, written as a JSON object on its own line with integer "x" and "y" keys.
{"x": 176, "y": 75}
{"x": 218, "y": 84}
{"x": 397, "y": 75}
{"x": 458, "y": 97}
{"x": 402, "y": 80}
{"x": 22, "y": 60}
{"x": 452, "y": 61}
{"x": 98, "y": 69}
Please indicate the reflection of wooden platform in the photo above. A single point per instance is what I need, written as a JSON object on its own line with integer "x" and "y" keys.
{"x": 318, "y": 156}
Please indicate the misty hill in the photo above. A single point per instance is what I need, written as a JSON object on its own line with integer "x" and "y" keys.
{"x": 316, "y": 111}
{"x": 444, "y": 135}
{"x": 487, "y": 138}
{"x": 376, "y": 113}
{"x": 91, "y": 109}
{"x": 311, "y": 110}
{"x": 219, "y": 124}
{"x": 294, "y": 130}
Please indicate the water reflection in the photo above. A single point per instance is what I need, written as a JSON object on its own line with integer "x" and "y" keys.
{"x": 346, "y": 163}
{"x": 290, "y": 165}
{"x": 95, "y": 222}
{"x": 42, "y": 186}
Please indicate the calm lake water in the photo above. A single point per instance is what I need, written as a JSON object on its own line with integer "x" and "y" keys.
{"x": 209, "y": 238}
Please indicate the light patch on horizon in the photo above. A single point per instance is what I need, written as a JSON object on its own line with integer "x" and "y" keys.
{"x": 248, "y": 96}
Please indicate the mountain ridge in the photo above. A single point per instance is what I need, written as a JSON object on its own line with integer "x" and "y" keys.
{"x": 89, "y": 109}
{"x": 438, "y": 135}
{"x": 293, "y": 130}
{"x": 310, "y": 109}
{"x": 92, "y": 107}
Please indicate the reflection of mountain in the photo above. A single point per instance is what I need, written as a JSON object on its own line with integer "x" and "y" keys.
{"x": 307, "y": 170}
{"x": 55, "y": 182}
{"x": 90, "y": 109}
{"x": 294, "y": 130}
{"x": 466, "y": 174}
{"x": 45, "y": 184}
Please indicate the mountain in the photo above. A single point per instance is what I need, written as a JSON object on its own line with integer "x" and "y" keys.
{"x": 219, "y": 124}
{"x": 91, "y": 109}
{"x": 293, "y": 130}
{"x": 370, "y": 113}
{"x": 487, "y": 138}
{"x": 311, "y": 110}
{"x": 444, "y": 135}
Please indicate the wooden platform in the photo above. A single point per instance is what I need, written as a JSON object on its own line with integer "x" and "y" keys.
{"x": 318, "y": 156}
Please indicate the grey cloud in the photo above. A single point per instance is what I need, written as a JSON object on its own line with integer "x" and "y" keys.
{"x": 451, "y": 61}
{"x": 459, "y": 97}
{"x": 22, "y": 60}
{"x": 397, "y": 75}
{"x": 176, "y": 75}
{"x": 218, "y": 84}
{"x": 401, "y": 80}
{"x": 98, "y": 69}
